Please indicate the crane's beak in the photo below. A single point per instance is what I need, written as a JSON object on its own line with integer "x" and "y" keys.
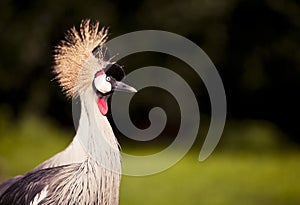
{"x": 120, "y": 86}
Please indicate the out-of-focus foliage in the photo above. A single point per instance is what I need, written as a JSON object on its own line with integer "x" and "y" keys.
{"x": 27, "y": 142}
{"x": 223, "y": 179}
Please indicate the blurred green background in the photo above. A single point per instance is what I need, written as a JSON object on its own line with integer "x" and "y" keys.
{"x": 255, "y": 46}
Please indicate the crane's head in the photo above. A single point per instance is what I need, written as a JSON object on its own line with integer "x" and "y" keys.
{"x": 80, "y": 65}
{"x": 107, "y": 81}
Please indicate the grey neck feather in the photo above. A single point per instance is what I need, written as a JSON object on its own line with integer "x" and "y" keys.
{"x": 94, "y": 139}
{"x": 95, "y": 134}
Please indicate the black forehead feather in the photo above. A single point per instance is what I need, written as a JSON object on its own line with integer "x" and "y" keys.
{"x": 115, "y": 70}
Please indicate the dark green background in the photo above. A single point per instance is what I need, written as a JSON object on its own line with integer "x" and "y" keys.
{"x": 254, "y": 45}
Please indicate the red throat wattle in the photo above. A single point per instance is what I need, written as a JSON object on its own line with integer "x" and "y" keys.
{"x": 102, "y": 105}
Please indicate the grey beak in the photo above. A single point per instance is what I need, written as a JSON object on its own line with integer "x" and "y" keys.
{"x": 120, "y": 86}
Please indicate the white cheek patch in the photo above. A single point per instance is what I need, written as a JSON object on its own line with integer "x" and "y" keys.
{"x": 101, "y": 84}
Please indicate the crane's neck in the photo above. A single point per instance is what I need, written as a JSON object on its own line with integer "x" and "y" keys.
{"x": 94, "y": 140}
{"x": 95, "y": 134}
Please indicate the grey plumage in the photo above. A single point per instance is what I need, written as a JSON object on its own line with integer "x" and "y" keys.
{"x": 5, "y": 185}
{"x": 81, "y": 179}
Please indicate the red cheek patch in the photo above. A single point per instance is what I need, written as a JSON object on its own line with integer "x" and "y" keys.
{"x": 100, "y": 73}
{"x": 102, "y": 105}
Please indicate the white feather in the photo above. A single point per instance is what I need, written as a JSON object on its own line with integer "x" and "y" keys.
{"x": 39, "y": 196}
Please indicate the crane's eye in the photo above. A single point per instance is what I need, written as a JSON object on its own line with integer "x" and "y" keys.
{"x": 108, "y": 78}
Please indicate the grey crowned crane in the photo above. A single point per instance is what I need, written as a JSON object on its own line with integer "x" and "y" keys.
{"x": 88, "y": 170}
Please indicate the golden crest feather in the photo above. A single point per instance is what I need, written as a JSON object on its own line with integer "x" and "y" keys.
{"x": 74, "y": 60}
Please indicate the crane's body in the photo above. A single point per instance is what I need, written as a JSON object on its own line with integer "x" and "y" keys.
{"x": 88, "y": 170}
